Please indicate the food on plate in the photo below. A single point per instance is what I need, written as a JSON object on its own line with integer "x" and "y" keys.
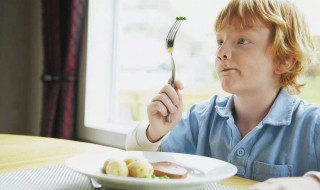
{"x": 129, "y": 160}
{"x": 105, "y": 165}
{"x": 140, "y": 168}
{"x": 134, "y": 167}
{"x": 116, "y": 167}
{"x": 169, "y": 169}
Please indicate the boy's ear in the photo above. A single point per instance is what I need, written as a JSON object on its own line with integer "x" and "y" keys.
{"x": 286, "y": 65}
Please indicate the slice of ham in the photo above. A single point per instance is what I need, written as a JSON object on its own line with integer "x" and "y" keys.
{"x": 169, "y": 169}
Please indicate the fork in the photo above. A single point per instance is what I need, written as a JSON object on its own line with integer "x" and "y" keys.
{"x": 169, "y": 42}
{"x": 95, "y": 184}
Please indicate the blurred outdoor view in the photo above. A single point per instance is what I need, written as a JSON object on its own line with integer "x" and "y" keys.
{"x": 143, "y": 63}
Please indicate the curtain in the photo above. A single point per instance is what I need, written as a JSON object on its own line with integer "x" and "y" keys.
{"x": 62, "y": 34}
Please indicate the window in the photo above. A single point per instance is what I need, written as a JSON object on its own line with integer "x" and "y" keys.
{"x": 127, "y": 63}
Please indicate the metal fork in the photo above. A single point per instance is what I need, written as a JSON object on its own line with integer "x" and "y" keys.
{"x": 169, "y": 42}
{"x": 95, "y": 184}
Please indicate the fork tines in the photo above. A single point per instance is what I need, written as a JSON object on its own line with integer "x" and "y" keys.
{"x": 172, "y": 33}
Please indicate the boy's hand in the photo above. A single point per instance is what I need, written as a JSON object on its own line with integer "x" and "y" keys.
{"x": 288, "y": 183}
{"x": 168, "y": 100}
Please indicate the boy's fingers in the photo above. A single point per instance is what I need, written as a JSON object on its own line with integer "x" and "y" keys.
{"x": 166, "y": 101}
{"x": 159, "y": 107}
{"x": 178, "y": 85}
{"x": 171, "y": 93}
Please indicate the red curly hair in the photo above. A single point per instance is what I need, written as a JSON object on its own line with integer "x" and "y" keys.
{"x": 291, "y": 36}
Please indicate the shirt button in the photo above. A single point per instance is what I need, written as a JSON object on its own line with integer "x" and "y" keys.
{"x": 240, "y": 152}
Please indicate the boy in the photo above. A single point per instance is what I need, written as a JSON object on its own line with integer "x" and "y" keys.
{"x": 262, "y": 129}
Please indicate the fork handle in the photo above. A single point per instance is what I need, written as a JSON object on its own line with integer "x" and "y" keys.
{"x": 173, "y": 70}
{"x": 172, "y": 79}
{"x": 169, "y": 118}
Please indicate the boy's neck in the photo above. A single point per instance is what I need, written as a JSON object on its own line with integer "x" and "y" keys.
{"x": 250, "y": 110}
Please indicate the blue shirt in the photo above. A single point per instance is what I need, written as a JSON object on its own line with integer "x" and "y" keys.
{"x": 285, "y": 143}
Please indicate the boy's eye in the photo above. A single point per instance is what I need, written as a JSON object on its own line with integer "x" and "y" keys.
{"x": 243, "y": 41}
{"x": 219, "y": 42}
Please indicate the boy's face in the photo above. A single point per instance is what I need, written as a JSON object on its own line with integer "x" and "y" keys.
{"x": 244, "y": 61}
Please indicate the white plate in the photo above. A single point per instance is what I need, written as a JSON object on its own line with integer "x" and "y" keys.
{"x": 201, "y": 170}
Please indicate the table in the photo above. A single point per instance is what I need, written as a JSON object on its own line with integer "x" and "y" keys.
{"x": 18, "y": 152}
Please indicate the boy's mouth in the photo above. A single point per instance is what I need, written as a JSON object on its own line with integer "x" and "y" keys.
{"x": 226, "y": 69}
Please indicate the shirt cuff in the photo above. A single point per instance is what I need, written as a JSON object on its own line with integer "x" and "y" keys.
{"x": 137, "y": 139}
{"x": 314, "y": 174}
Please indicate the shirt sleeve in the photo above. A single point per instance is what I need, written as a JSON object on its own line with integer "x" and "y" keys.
{"x": 137, "y": 139}
{"x": 183, "y": 137}
{"x": 316, "y": 174}
{"x": 317, "y": 141}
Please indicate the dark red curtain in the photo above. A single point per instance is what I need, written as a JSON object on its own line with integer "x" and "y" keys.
{"x": 62, "y": 34}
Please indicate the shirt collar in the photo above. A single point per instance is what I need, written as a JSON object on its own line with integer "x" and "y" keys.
{"x": 282, "y": 109}
{"x": 279, "y": 114}
{"x": 224, "y": 106}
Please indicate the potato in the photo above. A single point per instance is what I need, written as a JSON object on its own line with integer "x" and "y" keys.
{"x": 133, "y": 159}
{"x": 105, "y": 166}
{"x": 140, "y": 169}
{"x": 117, "y": 167}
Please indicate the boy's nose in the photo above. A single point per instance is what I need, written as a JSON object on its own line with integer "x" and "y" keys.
{"x": 223, "y": 54}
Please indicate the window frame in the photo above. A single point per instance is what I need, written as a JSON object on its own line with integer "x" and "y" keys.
{"x": 114, "y": 133}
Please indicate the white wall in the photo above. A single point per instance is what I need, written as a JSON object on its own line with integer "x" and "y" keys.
{"x": 20, "y": 66}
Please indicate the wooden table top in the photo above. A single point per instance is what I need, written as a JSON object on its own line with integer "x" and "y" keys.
{"x": 18, "y": 152}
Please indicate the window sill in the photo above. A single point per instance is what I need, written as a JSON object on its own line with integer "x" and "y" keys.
{"x": 113, "y": 135}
